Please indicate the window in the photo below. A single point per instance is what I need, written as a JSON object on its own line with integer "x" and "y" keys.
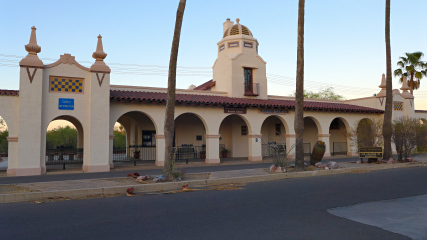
{"x": 222, "y": 47}
{"x": 148, "y": 138}
{"x": 248, "y": 80}
{"x": 248, "y": 45}
{"x": 278, "y": 129}
{"x": 244, "y": 130}
{"x": 233, "y": 44}
{"x": 199, "y": 138}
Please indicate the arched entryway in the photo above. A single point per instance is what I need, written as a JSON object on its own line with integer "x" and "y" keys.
{"x": 234, "y": 132}
{"x": 189, "y": 140}
{"x": 64, "y": 143}
{"x": 338, "y": 137}
{"x": 136, "y": 138}
{"x": 4, "y": 144}
{"x": 310, "y": 135}
{"x": 273, "y": 132}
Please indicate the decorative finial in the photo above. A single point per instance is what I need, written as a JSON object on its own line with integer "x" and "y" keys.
{"x": 32, "y": 48}
{"x": 383, "y": 82}
{"x": 237, "y": 20}
{"x": 99, "y": 56}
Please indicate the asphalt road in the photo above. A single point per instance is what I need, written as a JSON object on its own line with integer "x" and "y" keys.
{"x": 285, "y": 209}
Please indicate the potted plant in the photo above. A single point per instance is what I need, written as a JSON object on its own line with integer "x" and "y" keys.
{"x": 224, "y": 152}
{"x": 202, "y": 154}
{"x": 136, "y": 153}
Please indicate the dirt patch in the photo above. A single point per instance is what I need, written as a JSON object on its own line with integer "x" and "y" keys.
{"x": 197, "y": 176}
{"x": 360, "y": 171}
{"x": 132, "y": 181}
{"x": 9, "y": 189}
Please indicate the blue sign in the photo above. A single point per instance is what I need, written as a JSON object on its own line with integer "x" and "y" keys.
{"x": 66, "y": 104}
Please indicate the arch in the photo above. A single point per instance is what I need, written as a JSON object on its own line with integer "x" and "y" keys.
{"x": 234, "y": 130}
{"x": 197, "y": 115}
{"x": 338, "y": 136}
{"x": 318, "y": 125}
{"x": 310, "y": 135}
{"x": 270, "y": 131}
{"x": 190, "y": 129}
{"x": 4, "y": 143}
{"x": 132, "y": 112}
{"x": 365, "y": 133}
{"x": 66, "y": 153}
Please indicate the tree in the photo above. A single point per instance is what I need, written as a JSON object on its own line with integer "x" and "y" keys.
{"x": 3, "y": 141}
{"x": 61, "y": 136}
{"x": 299, "y": 93}
{"x": 119, "y": 139}
{"x": 170, "y": 101}
{"x": 411, "y": 67}
{"x": 326, "y": 93}
{"x": 387, "y": 128}
{"x": 406, "y": 132}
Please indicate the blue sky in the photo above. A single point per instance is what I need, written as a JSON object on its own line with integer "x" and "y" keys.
{"x": 344, "y": 40}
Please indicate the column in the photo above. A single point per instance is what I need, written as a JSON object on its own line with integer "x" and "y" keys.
{"x": 111, "y": 161}
{"x": 351, "y": 145}
{"x": 325, "y": 138}
{"x": 255, "y": 152}
{"x": 290, "y": 145}
{"x": 160, "y": 150}
{"x": 212, "y": 149}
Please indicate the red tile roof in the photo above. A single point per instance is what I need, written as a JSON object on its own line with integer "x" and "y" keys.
{"x": 4, "y": 92}
{"x": 207, "y": 85}
{"x": 209, "y": 100}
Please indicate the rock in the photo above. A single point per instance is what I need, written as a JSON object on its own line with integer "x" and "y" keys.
{"x": 358, "y": 162}
{"x": 319, "y": 165}
{"x": 391, "y": 161}
{"x": 333, "y": 165}
{"x": 326, "y": 168}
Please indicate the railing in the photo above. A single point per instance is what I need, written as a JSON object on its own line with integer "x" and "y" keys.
{"x": 64, "y": 156}
{"x": 307, "y": 149}
{"x": 339, "y": 148}
{"x": 134, "y": 153}
{"x": 267, "y": 148}
{"x": 251, "y": 90}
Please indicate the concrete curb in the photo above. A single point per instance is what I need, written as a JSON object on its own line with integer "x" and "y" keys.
{"x": 143, "y": 188}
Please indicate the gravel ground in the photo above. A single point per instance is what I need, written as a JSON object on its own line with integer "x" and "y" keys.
{"x": 8, "y": 189}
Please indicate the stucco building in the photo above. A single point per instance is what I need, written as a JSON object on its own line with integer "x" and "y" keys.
{"x": 232, "y": 111}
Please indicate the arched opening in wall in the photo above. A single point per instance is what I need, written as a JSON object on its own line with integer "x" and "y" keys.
{"x": 310, "y": 135}
{"x": 4, "y": 144}
{"x": 234, "y": 133}
{"x": 64, "y": 143}
{"x": 338, "y": 137}
{"x": 134, "y": 138}
{"x": 365, "y": 133}
{"x": 189, "y": 140}
{"x": 273, "y": 133}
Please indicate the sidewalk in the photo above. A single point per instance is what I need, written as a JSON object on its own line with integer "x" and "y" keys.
{"x": 31, "y": 191}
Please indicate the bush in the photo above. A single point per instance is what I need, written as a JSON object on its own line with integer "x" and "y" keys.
{"x": 407, "y": 134}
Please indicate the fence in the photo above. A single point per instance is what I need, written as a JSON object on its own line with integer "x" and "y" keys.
{"x": 339, "y": 148}
{"x": 134, "y": 153}
{"x": 64, "y": 156}
{"x": 188, "y": 151}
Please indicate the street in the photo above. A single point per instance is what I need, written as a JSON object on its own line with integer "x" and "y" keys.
{"x": 285, "y": 209}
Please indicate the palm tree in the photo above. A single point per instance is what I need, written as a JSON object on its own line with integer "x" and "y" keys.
{"x": 299, "y": 93}
{"x": 411, "y": 67}
{"x": 170, "y": 101}
{"x": 387, "y": 127}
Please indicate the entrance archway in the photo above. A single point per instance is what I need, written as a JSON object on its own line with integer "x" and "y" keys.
{"x": 139, "y": 138}
{"x": 234, "y": 132}
{"x": 4, "y": 144}
{"x": 273, "y": 132}
{"x": 64, "y": 142}
{"x": 189, "y": 140}
{"x": 338, "y": 137}
{"x": 310, "y": 134}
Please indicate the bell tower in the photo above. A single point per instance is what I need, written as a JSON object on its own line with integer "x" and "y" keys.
{"x": 239, "y": 70}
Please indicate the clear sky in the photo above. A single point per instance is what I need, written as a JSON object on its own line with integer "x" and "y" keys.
{"x": 344, "y": 40}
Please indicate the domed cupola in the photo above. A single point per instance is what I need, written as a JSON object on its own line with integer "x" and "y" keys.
{"x": 237, "y": 29}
